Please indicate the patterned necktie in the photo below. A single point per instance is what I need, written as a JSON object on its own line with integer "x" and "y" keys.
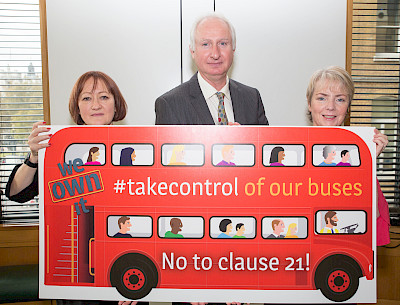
{"x": 222, "y": 119}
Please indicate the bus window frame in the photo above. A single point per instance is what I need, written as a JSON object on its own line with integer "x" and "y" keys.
{"x": 77, "y": 143}
{"x": 285, "y": 216}
{"x": 312, "y": 155}
{"x": 179, "y": 216}
{"x": 230, "y": 217}
{"x": 131, "y": 144}
{"x": 185, "y": 144}
{"x": 234, "y": 144}
{"x": 325, "y": 234}
{"x": 290, "y": 144}
{"x": 131, "y": 216}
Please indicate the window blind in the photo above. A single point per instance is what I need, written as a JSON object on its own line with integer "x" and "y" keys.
{"x": 21, "y": 101}
{"x": 375, "y": 70}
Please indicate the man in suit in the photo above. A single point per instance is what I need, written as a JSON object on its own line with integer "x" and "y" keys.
{"x": 278, "y": 227}
{"x": 197, "y": 101}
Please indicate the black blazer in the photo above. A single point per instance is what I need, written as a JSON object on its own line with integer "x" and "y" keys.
{"x": 185, "y": 105}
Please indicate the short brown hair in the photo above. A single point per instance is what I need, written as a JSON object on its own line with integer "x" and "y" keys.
{"x": 274, "y": 223}
{"x": 122, "y": 220}
{"x": 333, "y": 73}
{"x": 120, "y": 104}
{"x": 329, "y": 215}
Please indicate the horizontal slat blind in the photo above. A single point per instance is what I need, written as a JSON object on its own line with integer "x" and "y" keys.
{"x": 21, "y": 101}
{"x": 375, "y": 70}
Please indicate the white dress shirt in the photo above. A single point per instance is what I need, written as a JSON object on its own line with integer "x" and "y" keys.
{"x": 209, "y": 93}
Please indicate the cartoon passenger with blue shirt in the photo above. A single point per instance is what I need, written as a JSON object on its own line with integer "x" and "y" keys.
{"x": 329, "y": 154}
{"x": 225, "y": 226}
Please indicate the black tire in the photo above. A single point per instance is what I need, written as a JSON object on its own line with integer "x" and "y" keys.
{"x": 134, "y": 275}
{"x": 338, "y": 277}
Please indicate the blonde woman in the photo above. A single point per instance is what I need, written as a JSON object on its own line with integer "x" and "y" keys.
{"x": 178, "y": 153}
{"x": 292, "y": 231}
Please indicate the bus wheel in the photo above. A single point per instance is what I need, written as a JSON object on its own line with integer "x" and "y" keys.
{"x": 134, "y": 275}
{"x": 338, "y": 277}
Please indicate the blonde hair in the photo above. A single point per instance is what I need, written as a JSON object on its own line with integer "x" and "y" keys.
{"x": 226, "y": 148}
{"x": 332, "y": 74}
{"x": 289, "y": 230}
{"x": 177, "y": 148}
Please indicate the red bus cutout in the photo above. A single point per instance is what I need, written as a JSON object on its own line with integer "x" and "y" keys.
{"x": 160, "y": 218}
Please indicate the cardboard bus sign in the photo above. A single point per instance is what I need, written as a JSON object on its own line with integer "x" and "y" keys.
{"x": 208, "y": 214}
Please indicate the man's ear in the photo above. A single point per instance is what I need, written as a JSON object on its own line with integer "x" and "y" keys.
{"x": 191, "y": 52}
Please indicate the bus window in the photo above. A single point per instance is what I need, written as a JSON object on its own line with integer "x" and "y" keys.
{"x": 233, "y": 155}
{"x": 283, "y": 155}
{"x": 233, "y": 227}
{"x": 132, "y": 154}
{"x": 284, "y": 227}
{"x": 89, "y": 153}
{"x": 180, "y": 227}
{"x": 182, "y": 155}
{"x": 129, "y": 226}
{"x": 342, "y": 222}
{"x": 336, "y": 155}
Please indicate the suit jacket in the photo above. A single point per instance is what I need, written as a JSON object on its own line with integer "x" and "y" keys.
{"x": 186, "y": 105}
{"x": 273, "y": 236}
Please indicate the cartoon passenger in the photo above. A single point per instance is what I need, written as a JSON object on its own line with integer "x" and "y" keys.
{"x": 278, "y": 227}
{"x": 239, "y": 231}
{"x": 176, "y": 226}
{"x": 329, "y": 154}
{"x": 277, "y": 156}
{"x": 227, "y": 156}
{"x": 93, "y": 156}
{"x": 331, "y": 221}
{"x": 124, "y": 224}
{"x": 345, "y": 158}
{"x": 127, "y": 157}
{"x": 178, "y": 153}
{"x": 292, "y": 231}
{"x": 225, "y": 226}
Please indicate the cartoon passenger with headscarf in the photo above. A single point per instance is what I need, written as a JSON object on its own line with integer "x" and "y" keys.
{"x": 127, "y": 156}
{"x": 176, "y": 226}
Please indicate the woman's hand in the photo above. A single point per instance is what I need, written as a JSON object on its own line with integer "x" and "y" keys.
{"x": 380, "y": 140}
{"x": 35, "y": 139}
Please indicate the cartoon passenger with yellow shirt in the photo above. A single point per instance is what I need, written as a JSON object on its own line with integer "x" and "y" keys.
{"x": 292, "y": 231}
{"x": 331, "y": 221}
